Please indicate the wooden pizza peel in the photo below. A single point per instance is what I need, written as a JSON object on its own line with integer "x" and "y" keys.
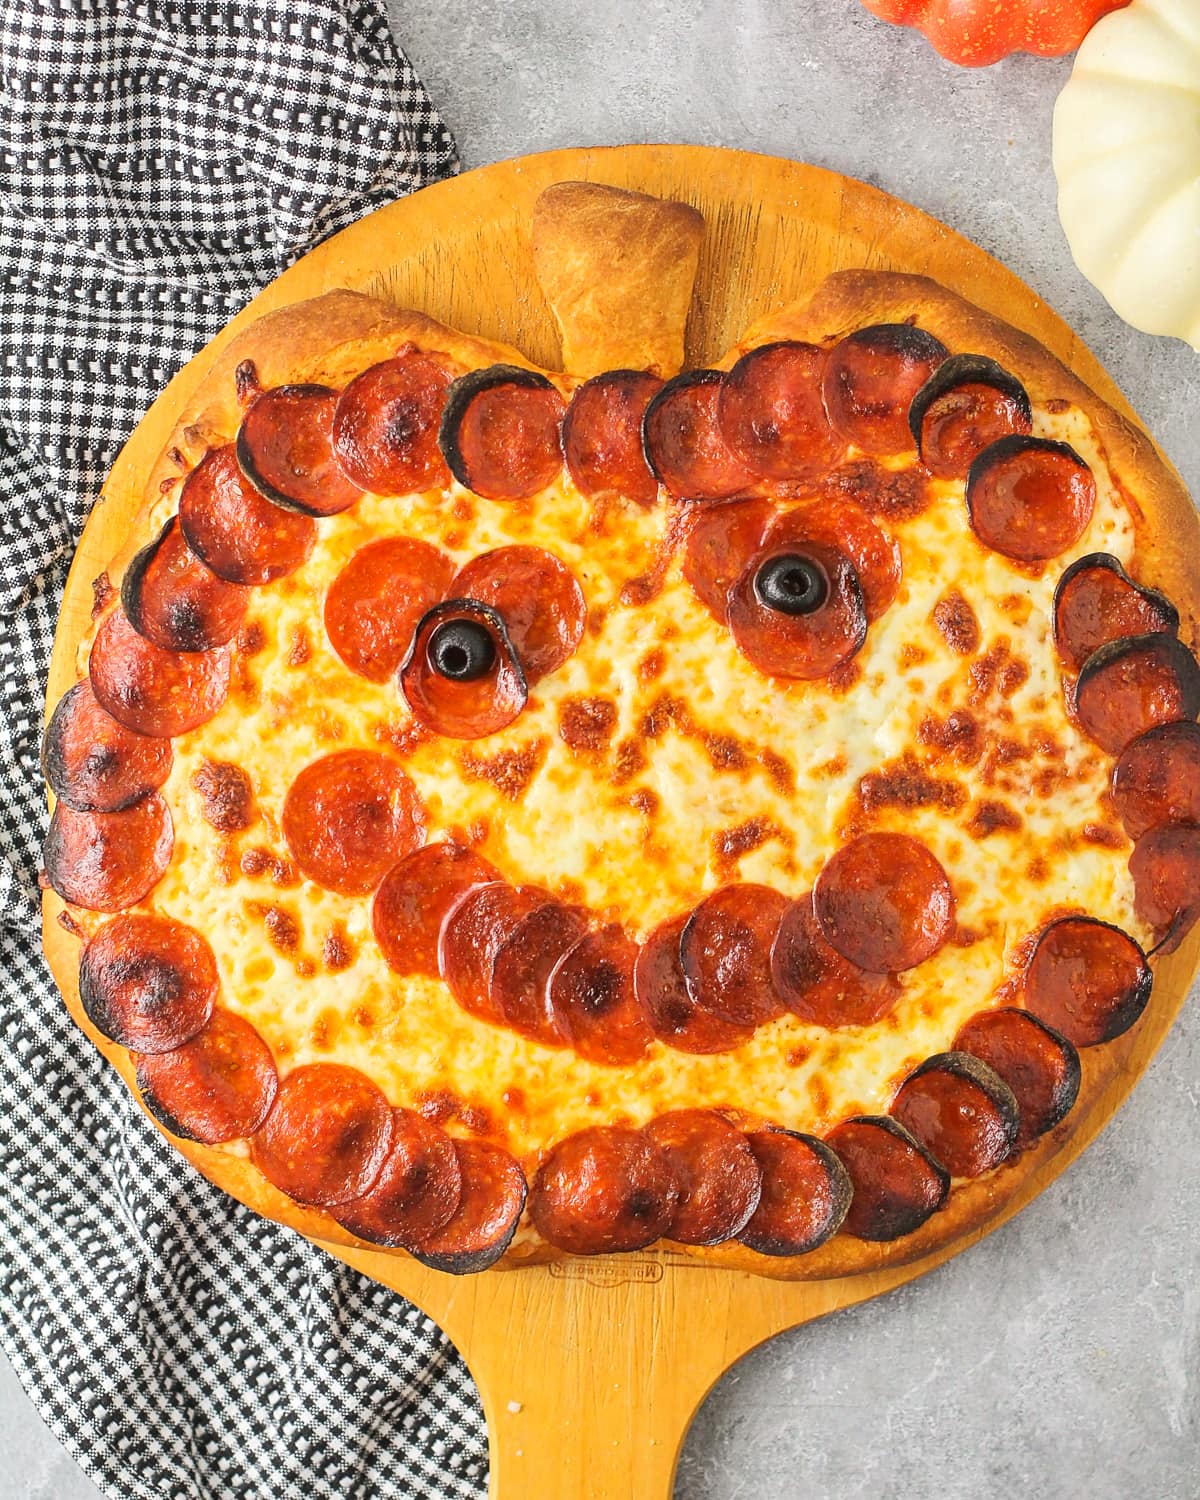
{"x": 591, "y": 1371}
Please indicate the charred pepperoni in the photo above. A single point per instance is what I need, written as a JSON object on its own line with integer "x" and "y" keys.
{"x": 961, "y": 1111}
{"x": 489, "y": 1210}
{"x": 725, "y": 953}
{"x": 375, "y": 603}
{"x": 816, "y": 983}
{"x": 415, "y": 898}
{"x": 772, "y": 414}
{"x": 327, "y": 1136}
{"x": 95, "y": 764}
{"x": 171, "y": 598}
{"x": 472, "y": 933}
{"x": 1038, "y": 1064}
{"x": 604, "y": 1189}
{"x": 870, "y": 380}
{"x": 669, "y": 1004}
{"x": 417, "y": 1191}
{"x": 1029, "y": 498}
{"x": 884, "y": 902}
{"x": 798, "y": 611}
{"x": 108, "y": 861}
{"x": 499, "y": 433}
{"x": 805, "y": 1193}
{"x": 1157, "y": 778}
{"x": 719, "y": 1178}
{"x": 386, "y": 424}
{"x": 844, "y": 527}
{"x": 152, "y": 691}
{"x": 1096, "y": 602}
{"x": 1165, "y": 865}
{"x": 217, "y": 1087}
{"x": 538, "y": 598}
{"x": 968, "y": 403}
{"x": 720, "y": 544}
{"x": 461, "y": 677}
{"x": 602, "y": 436}
{"x": 1087, "y": 979}
{"x": 897, "y": 1184}
{"x": 593, "y": 1002}
{"x": 148, "y": 982}
{"x": 238, "y": 533}
{"x": 1131, "y": 685}
{"x": 285, "y": 449}
{"x": 520, "y": 981}
{"x": 349, "y": 817}
{"x": 684, "y": 446}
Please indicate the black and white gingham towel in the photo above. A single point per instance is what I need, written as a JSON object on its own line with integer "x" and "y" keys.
{"x": 160, "y": 160}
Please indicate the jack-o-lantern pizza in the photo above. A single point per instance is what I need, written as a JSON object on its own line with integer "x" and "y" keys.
{"x": 505, "y": 813}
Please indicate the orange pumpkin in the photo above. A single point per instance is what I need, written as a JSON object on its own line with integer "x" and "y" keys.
{"x": 978, "y": 32}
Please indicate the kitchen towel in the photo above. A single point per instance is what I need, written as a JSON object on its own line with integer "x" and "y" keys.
{"x": 160, "y": 161}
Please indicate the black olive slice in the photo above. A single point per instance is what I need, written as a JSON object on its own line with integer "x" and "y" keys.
{"x": 791, "y": 584}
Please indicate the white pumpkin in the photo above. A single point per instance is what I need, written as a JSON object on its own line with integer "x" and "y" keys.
{"x": 1127, "y": 158}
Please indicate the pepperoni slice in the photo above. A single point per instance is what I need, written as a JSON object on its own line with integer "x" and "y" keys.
{"x": 1131, "y": 685}
{"x": 95, "y": 764}
{"x": 812, "y": 623}
{"x": 968, "y": 403}
{"x": 844, "y": 527}
{"x": 805, "y": 1193}
{"x": 1038, "y": 1064}
{"x": 1028, "y": 498}
{"x": 720, "y": 544}
{"x": 602, "y": 436}
{"x": 670, "y": 1007}
{"x": 489, "y": 1210}
{"x": 348, "y": 817}
{"x": 772, "y": 414}
{"x": 1165, "y": 865}
{"x": 327, "y": 1136}
{"x": 217, "y": 1087}
{"x": 884, "y": 902}
{"x": 415, "y": 899}
{"x": 816, "y": 983}
{"x": 1096, "y": 602}
{"x": 417, "y": 1191}
{"x": 108, "y": 861}
{"x": 148, "y": 982}
{"x": 499, "y": 433}
{"x": 472, "y": 933}
{"x": 285, "y": 449}
{"x": 519, "y": 985}
{"x": 376, "y": 602}
{"x": 961, "y": 1111}
{"x": 593, "y": 1001}
{"x": 602, "y": 1190}
{"x": 725, "y": 953}
{"x": 538, "y": 598}
{"x": 171, "y": 598}
{"x": 155, "y": 692}
{"x": 897, "y": 1184}
{"x": 386, "y": 424}
{"x": 871, "y": 377}
{"x": 461, "y": 677}
{"x": 1087, "y": 979}
{"x": 719, "y": 1178}
{"x": 1157, "y": 778}
{"x": 684, "y": 446}
{"x": 242, "y": 536}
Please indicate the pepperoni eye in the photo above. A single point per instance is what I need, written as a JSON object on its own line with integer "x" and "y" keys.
{"x": 792, "y": 584}
{"x": 461, "y": 650}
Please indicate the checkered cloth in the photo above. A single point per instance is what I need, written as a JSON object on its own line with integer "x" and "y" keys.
{"x": 161, "y": 160}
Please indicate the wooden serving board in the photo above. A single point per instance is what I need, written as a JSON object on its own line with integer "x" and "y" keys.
{"x": 591, "y": 1371}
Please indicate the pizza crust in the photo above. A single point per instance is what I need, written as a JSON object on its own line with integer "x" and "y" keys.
{"x": 332, "y": 337}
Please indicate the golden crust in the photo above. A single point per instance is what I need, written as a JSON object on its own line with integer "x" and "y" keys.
{"x": 618, "y": 270}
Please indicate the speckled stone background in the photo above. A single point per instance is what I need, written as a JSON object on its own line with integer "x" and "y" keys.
{"x": 1061, "y": 1357}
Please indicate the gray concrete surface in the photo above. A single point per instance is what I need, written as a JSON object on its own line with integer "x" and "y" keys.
{"x": 1060, "y": 1359}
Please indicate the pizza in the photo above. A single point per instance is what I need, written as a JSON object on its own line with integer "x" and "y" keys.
{"x": 505, "y": 814}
